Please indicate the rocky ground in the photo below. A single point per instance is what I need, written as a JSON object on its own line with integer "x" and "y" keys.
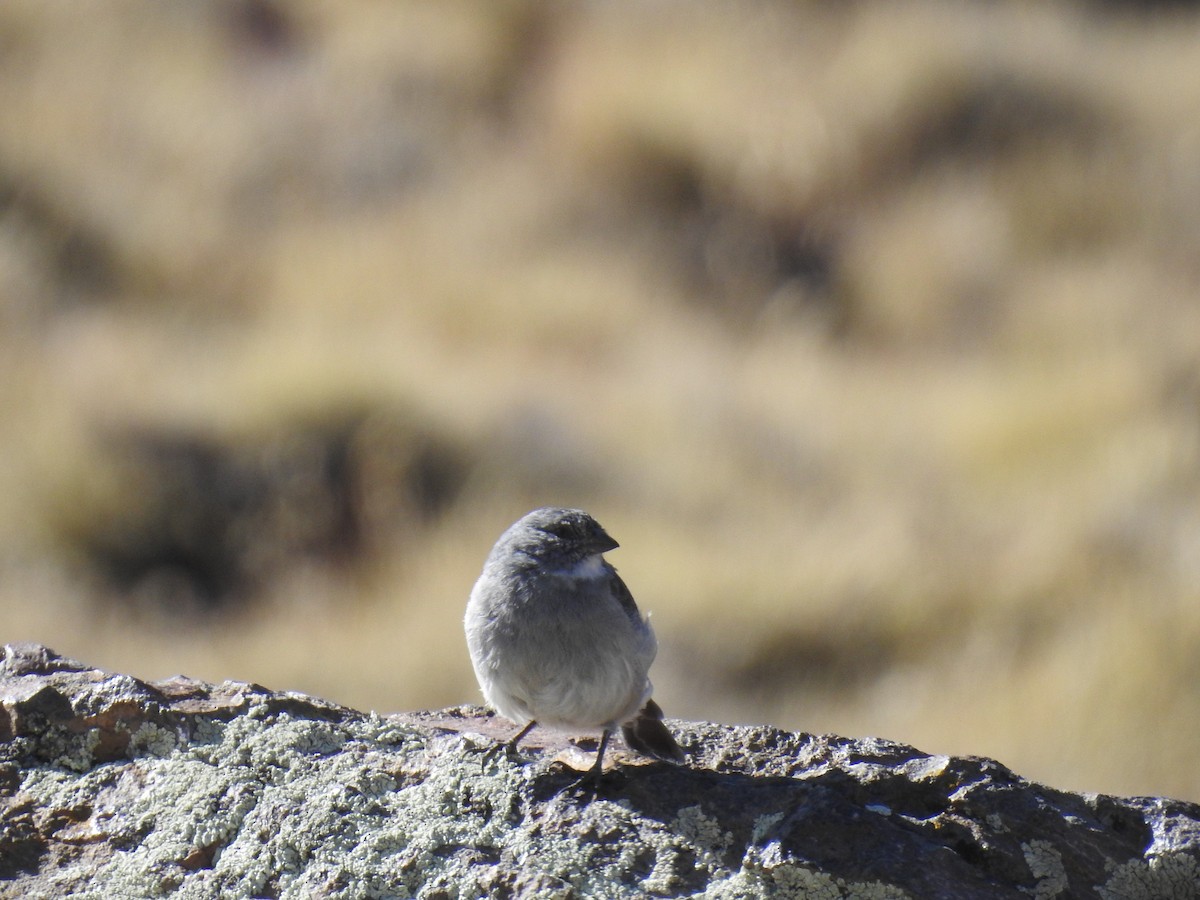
{"x": 110, "y": 786}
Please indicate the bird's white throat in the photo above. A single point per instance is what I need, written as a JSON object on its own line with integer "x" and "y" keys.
{"x": 586, "y": 569}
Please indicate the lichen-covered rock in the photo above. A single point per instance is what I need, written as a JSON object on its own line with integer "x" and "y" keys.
{"x": 112, "y": 787}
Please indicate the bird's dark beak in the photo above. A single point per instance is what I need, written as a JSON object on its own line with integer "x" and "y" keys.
{"x": 604, "y": 543}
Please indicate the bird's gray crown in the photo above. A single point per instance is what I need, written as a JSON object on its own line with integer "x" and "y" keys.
{"x": 554, "y": 535}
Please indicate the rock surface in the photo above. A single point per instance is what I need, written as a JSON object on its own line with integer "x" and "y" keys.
{"x": 113, "y": 787}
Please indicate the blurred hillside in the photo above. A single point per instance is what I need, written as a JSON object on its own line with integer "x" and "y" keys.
{"x": 871, "y": 330}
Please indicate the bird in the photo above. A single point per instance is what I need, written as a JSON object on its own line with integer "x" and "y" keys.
{"x": 556, "y": 639}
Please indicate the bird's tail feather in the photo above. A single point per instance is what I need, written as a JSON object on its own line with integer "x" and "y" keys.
{"x": 648, "y": 735}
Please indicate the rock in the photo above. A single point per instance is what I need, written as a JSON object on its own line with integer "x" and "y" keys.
{"x": 114, "y": 787}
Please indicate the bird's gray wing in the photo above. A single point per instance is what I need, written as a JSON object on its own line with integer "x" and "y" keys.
{"x": 618, "y": 589}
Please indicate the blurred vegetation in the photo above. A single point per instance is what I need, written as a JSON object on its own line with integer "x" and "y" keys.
{"x": 871, "y": 330}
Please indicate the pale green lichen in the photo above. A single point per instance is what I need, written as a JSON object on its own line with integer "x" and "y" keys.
{"x": 207, "y": 730}
{"x": 1174, "y": 876}
{"x": 704, "y": 833}
{"x": 1046, "y": 865}
{"x": 152, "y": 740}
{"x": 78, "y": 751}
{"x": 373, "y": 808}
{"x": 764, "y": 873}
{"x": 763, "y": 826}
{"x": 74, "y": 750}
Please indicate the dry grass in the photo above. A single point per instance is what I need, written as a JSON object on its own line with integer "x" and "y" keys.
{"x": 871, "y": 330}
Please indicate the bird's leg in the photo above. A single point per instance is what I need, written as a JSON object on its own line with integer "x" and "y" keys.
{"x": 598, "y": 766}
{"x": 508, "y": 748}
{"x": 593, "y": 775}
{"x": 511, "y": 747}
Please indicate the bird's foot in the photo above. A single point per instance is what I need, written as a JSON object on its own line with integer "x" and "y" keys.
{"x": 508, "y": 748}
{"x": 588, "y": 786}
{"x": 590, "y": 783}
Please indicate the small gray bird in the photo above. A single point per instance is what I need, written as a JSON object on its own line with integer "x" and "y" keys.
{"x": 557, "y": 640}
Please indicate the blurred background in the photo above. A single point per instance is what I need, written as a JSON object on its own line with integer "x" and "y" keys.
{"x": 870, "y": 329}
